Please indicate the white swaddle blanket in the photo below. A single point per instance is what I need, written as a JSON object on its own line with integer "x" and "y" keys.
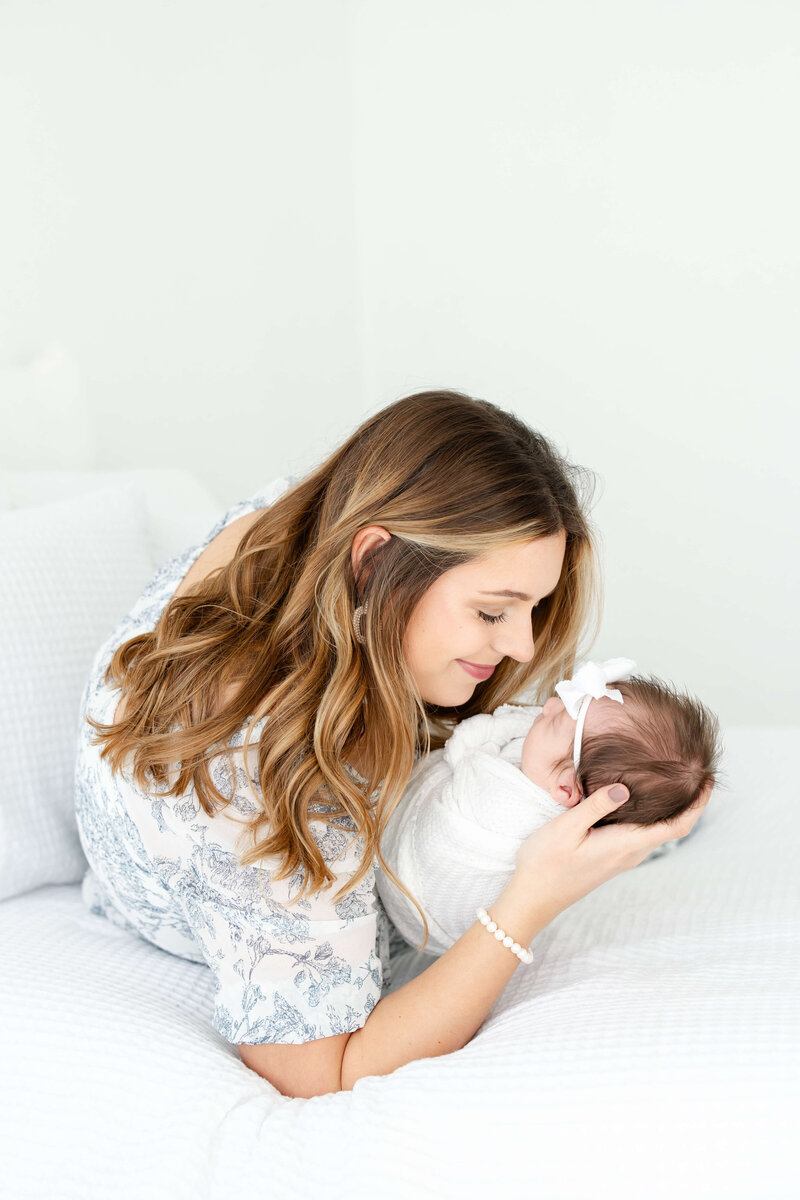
{"x": 454, "y": 837}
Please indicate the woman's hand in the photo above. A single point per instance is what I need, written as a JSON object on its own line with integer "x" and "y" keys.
{"x": 566, "y": 859}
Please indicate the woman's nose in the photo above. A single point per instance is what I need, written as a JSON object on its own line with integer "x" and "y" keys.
{"x": 517, "y": 641}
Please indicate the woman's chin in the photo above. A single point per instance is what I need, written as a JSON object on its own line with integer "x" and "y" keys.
{"x": 451, "y": 697}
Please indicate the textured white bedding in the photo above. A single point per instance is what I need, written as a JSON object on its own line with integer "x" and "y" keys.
{"x": 653, "y": 1048}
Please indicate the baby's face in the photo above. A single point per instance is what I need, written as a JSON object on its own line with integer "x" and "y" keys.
{"x": 551, "y": 738}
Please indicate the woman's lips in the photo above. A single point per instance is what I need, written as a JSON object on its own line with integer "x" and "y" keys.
{"x": 475, "y": 669}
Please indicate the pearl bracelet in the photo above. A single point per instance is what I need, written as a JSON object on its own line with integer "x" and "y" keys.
{"x": 501, "y": 936}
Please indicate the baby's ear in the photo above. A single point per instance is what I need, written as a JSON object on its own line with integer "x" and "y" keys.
{"x": 569, "y": 792}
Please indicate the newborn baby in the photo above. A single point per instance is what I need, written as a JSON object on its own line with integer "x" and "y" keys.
{"x": 501, "y": 776}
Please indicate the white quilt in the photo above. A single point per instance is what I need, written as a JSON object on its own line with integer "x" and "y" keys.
{"x": 652, "y": 1049}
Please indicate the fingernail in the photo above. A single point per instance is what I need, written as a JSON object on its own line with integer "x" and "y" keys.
{"x": 618, "y": 793}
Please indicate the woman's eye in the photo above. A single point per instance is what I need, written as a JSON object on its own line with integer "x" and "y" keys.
{"x": 490, "y": 620}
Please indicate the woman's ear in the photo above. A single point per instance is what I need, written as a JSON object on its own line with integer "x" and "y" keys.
{"x": 365, "y": 540}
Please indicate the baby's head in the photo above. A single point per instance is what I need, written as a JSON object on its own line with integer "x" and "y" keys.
{"x": 661, "y": 743}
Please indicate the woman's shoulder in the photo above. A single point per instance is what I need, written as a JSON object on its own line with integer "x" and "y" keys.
{"x": 219, "y": 544}
{"x": 218, "y": 552}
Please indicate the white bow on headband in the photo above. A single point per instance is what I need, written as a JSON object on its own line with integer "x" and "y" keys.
{"x": 590, "y": 682}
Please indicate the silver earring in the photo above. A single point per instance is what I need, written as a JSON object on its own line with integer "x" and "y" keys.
{"x": 358, "y": 617}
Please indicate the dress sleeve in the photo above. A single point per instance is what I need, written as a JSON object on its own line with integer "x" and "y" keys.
{"x": 284, "y": 973}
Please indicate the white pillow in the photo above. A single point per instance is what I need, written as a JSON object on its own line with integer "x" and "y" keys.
{"x": 68, "y": 573}
{"x": 180, "y": 508}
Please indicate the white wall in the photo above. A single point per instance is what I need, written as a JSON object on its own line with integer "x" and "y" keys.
{"x": 251, "y": 223}
{"x": 588, "y": 214}
{"x": 177, "y": 214}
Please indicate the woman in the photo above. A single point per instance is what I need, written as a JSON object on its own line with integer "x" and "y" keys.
{"x": 259, "y": 712}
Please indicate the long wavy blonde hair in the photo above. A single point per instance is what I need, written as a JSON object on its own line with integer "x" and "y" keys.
{"x": 451, "y": 478}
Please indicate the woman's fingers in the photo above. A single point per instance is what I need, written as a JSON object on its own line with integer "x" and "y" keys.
{"x": 566, "y": 858}
{"x": 599, "y": 804}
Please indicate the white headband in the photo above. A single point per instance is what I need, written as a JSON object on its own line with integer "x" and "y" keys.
{"x": 590, "y": 682}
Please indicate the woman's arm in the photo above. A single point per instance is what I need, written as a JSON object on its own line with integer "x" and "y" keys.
{"x": 444, "y": 1007}
{"x": 435, "y": 1013}
{"x": 310, "y": 1069}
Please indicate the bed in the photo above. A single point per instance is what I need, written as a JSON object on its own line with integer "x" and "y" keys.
{"x": 653, "y": 1048}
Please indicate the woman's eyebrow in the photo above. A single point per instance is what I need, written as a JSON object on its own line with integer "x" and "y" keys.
{"x": 515, "y": 595}
{"x": 511, "y": 595}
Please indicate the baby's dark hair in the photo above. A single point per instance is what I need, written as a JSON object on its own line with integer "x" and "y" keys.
{"x": 666, "y": 752}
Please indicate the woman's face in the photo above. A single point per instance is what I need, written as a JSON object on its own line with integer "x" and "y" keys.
{"x": 464, "y": 622}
